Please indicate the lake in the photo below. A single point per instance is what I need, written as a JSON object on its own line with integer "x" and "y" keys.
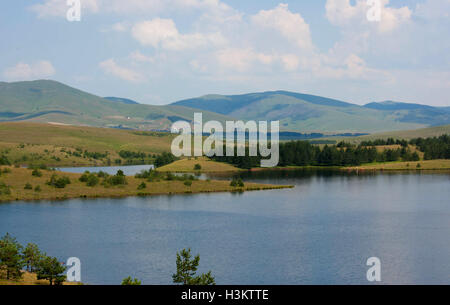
{"x": 321, "y": 232}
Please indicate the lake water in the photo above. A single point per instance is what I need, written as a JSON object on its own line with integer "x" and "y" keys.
{"x": 321, "y": 232}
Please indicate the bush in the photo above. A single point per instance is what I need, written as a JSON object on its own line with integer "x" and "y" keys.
{"x": 28, "y": 186}
{"x": 92, "y": 180}
{"x": 6, "y": 170}
{"x": 4, "y": 189}
{"x": 197, "y": 167}
{"x": 37, "y": 189}
{"x": 36, "y": 173}
{"x": 4, "y": 160}
{"x": 237, "y": 183}
{"x": 118, "y": 179}
{"x": 59, "y": 183}
{"x": 142, "y": 186}
{"x": 188, "y": 183}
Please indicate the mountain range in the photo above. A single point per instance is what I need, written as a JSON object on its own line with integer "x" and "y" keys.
{"x": 53, "y": 102}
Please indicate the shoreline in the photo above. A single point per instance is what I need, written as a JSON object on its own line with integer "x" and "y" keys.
{"x": 13, "y": 183}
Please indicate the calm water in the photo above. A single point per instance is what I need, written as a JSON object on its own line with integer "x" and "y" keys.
{"x": 320, "y": 232}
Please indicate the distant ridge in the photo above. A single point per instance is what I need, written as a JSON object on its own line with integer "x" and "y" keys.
{"x": 50, "y": 101}
{"x": 311, "y": 113}
{"x": 121, "y": 100}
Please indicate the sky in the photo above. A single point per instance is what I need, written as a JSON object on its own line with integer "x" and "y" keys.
{"x": 161, "y": 51}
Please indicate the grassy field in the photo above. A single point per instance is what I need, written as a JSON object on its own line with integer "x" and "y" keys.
{"x": 29, "y": 279}
{"x": 424, "y": 165}
{"x": 54, "y": 145}
{"x": 188, "y": 166}
{"x": 401, "y": 135}
{"x": 17, "y": 179}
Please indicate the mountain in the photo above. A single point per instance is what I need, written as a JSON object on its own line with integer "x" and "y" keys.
{"x": 121, "y": 100}
{"x": 310, "y": 113}
{"x": 408, "y": 112}
{"x": 49, "y": 101}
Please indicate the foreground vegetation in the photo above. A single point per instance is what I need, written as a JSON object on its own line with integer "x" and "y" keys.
{"x": 37, "y": 184}
{"x": 28, "y": 265}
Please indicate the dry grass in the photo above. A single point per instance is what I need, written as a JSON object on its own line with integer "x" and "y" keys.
{"x": 19, "y": 177}
{"x": 29, "y": 279}
{"x": 424, "y": 165}
{"x": 33, "y": 139}
{"x": 188, "y": 165}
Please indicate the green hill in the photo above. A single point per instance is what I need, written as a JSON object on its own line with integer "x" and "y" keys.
{"x": 402, "y": 134}
{"x": 309, "y": 113}
{"x": 46, "y": 101}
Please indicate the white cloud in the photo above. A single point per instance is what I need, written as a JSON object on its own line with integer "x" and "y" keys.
{"x": 291, "y": 26}
{"x": 24, "y": 71}
{"x": 139, "y": 57}
{"x": 112, "y": 68}
{"x": 342, "y": 13}
{"x": 163, "y": 33}
{"x": 59, "y": 8}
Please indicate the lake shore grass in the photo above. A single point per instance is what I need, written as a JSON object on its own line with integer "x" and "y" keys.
{"x": 404, "y": 166}
{"x": 16, "y": 179}
{"x": 188, "y": 165}
{"x": 30, "y": 279}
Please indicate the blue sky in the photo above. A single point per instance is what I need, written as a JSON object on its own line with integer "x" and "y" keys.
{"x": 160, "y": 51}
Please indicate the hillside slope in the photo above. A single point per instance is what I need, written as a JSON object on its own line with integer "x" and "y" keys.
{"x": 48, "y": 101}
{"x": 309, "y": 113}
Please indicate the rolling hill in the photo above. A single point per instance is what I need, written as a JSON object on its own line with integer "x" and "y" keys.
{"x": 47, "y": 101}
{"x": 309, "y": 113}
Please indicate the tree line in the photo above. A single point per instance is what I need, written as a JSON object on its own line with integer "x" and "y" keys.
{"x": 303, "y": 153}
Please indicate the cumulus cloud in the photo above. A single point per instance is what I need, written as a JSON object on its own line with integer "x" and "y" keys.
{"x": 24, "y": 71}
{"x": 58, "y": 8}
{"x": 343, "y": 13}
{"x": 112, "y": 68}
{"x": 163, "y": 33}
{"x": 291, "y": 26}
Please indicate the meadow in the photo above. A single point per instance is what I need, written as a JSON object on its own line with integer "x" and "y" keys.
{"x": 26, "y": 184}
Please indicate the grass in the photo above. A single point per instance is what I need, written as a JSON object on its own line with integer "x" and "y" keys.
{"x": 16, "y": 181}
{"x": 26, "y": 143}
{"x": 30, "y": 279}
{"x": 424, "y": 165}
{"x": 207, "y": 166}
{"x": 400, "y": 135}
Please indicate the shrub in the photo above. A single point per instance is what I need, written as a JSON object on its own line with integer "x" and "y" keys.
{"x": 59, "y": 183}
{"x": 237, "y": 183}
{"x": 4, "y": 189}
{"x": 6, "y": 170}
{"x": 92, "y": 180}
{"x": 142, "y": 186}
{"x": 188, "y": 183}
{"x": 197, "y": 167}
{"x": 118, "y": 179}
{"x": 36, "y": 173}
{"x": 37, "y": 189}
{"x": 28, "y": 186}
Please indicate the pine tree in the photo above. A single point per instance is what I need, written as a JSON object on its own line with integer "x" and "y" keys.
{"x": 187, "y": 268}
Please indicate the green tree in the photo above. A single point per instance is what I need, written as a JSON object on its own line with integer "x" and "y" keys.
{"x": 187, "y": 269}
{"x": 131, "y": 282}
{"x": 32, "y": 256}
{"x": 49, "y": 268}
{"x": 11, "y": 262}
